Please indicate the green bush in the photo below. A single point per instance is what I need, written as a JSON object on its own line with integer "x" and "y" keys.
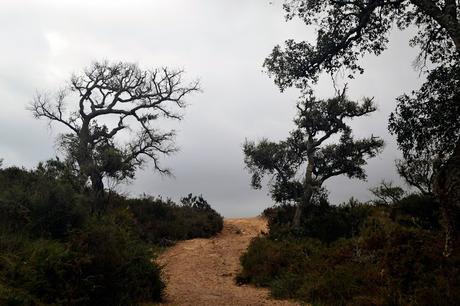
{"x": 266, "y": 259}
{"x": 116, "y": 267}
{"x": 53, "y": 251}
{"x": 377, "y": 257}
{"x": 100, "y": 264}
{"x": 417, "y": 211}
{"x": 319, "y": 221}
{"x": 39, "y": 203}
{"x": 161, "y": 221}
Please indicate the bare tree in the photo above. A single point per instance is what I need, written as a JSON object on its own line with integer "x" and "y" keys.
{"x": 107, "y": 101}
{"x": 386, "y": 193}
{"x": 419, "y": 173}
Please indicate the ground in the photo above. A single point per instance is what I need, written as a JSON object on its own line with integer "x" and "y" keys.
{"x": 202, "y": 271}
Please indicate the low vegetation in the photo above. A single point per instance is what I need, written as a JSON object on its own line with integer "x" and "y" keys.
{"x": 356, "y": 254}
{"x": 66, "y": 240}
{"x": 55, "y": 251}
{"x": 163, "y": 222}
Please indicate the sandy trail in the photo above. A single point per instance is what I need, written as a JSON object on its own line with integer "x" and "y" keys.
{"x": 202, "y": 271}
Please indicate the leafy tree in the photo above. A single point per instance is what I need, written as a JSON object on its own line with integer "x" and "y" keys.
{"x": 427, "y": 126}
{"x": 301, "y": 164}
{"x": 427, "y": 121}
{"x": 419, "y": 173}
{"x": 105, "y": 104}
{"x": 348, "y": 29}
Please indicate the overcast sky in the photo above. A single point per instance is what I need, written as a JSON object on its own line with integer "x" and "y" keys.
{"x": 220, "y": 42}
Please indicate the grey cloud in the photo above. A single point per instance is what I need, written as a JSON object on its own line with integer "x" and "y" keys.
{"x": 224, "y": 44}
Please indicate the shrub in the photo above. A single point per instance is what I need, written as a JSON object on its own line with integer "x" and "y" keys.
{"x": 160, "y": 220}
{"x": 320, "y": 221}
{"x": 266, "y": 259}
{"x": 101, "y": 264}
{"x": 377, "y": 257}
{"x": 417, "y": 211}
{"x": 117, "y": 268}
{"x": 53, "y": 251}
{"x": 41, "y": 204}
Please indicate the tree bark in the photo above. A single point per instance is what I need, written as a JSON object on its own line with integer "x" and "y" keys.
{"x": 447, "y": 181}
{"x": 300, "y": 207}
{"x": 88, "y": 168}
{"x": 297, "y": 216}
{"x": 447, "y": 189}
{"x": 97, "y": 186}
{"x": 306, "y": 197}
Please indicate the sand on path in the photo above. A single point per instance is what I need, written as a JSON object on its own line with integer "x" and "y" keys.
{"x": 202, "y": 271}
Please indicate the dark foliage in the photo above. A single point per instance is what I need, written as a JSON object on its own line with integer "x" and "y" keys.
{"x": 386, "y": 193}
{"x": 320, "y": 220}
{"x": 54, "y": 252}
{"x": 426, "y": 122}
{"x": 299, "y": 165}
{"x": 100, "y": 264}
{"x": 39, "y": 203}
{"x": 391, "y": 255}
{"x": 417, "y": 211}
{"x": 316, "y": 122}
{"x": 427, "y": 127}
{"x": 349, "y": 29}
{"x": 165, "y": 222}
{"x": 419, "y": 171}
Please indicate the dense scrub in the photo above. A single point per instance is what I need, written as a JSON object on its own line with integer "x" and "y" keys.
{"x": 356, "y": 254}
{"x": 54, "y": 251}
{"x": 163, "y": 222}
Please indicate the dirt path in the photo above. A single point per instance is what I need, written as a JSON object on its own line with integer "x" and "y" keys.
{"x": 202, "y": 271}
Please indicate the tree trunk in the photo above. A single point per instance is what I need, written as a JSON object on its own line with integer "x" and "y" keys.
{"x": 300, "y": 207}
{"x": 447, "y": 182}
{"x": 447, "y": 189}
{"x": 98, "y": 189}
{"x": 297, "y": 216}
{"x": 306, "y": 197}
{"x": 88, "y": 168}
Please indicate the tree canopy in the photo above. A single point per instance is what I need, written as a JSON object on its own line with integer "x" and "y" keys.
{"x": 348, "y": 29}
{"x": 110, "y": 99}
{"x": 427, "y": 127}
{"x": 301, "y": 164}
{"x": 427, "y": 121}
